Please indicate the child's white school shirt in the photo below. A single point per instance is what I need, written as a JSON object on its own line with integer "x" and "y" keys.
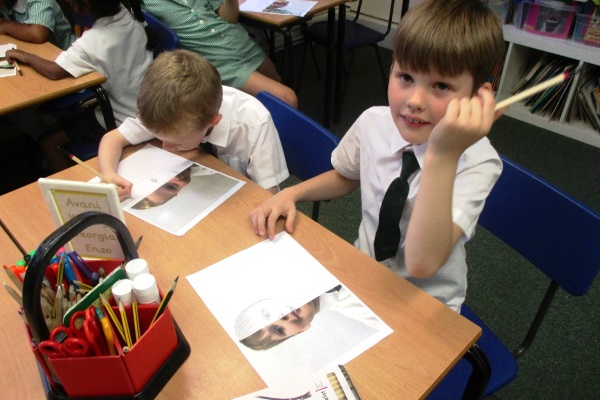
{"x": 245, "y": 139}
{"x": 116, "y": 47}
{"x": 371, "y": 151}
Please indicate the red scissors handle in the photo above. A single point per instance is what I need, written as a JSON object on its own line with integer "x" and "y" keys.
{"x": 75, "y": 347}
{"x": 50, "y": 349}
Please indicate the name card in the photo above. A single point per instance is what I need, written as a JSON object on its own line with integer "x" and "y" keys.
{"x": 67, "y": 199}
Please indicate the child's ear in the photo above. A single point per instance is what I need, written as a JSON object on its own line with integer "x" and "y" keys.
{"x": 216, "y": 119}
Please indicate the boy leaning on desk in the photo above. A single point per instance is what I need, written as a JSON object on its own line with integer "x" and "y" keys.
{"x": 441, "y": 108}
{"x": 183, "y": 103}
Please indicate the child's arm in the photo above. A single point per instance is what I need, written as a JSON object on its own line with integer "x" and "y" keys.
{"x": 431, "y": 232}
{"x": 32, "y": 33}
{"x": 109, "y": 154}
{"x": 230, "y": 11}
{"x": 49, "y": 69}
{"x": 327, "y": 186}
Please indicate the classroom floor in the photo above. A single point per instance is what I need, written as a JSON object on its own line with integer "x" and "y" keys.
{"x": 563, "y": 361}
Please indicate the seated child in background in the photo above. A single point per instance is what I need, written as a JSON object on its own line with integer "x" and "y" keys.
{"x": 441, "y": 106}
{"x": 182, "y": 103}
{"x": 211, "y": 29}
{"x": 36, "y": 21}
{"x": 118, "y": 47}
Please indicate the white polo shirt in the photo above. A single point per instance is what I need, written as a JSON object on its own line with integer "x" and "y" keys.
{"x": 116, "y": 47}
{"x": 371, "y": 151}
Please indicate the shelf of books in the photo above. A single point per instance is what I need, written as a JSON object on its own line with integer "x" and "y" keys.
{"x": 571, "y": 108}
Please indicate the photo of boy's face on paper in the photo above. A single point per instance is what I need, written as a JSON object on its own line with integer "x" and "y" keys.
{"x": 282, "y": 317}
{"x": 286, "y": 313}
{"x": 166, "y": 192}
{"x": 171, "y": 192}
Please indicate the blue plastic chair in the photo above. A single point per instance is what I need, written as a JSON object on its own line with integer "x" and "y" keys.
{"x": 167, "y": 38}
{"x": 307, "y": 145}
{"x": 553, "y": 231}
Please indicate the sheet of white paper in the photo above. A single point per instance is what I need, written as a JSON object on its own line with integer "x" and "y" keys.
{"x": 5, "y": 47}
{"x": 154, "y": 172}
{"x": 298, "y": 8}
{"x": 283, "y": 269}
{"x": 7, "y": 69}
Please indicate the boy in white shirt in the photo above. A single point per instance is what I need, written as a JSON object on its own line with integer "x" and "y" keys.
{"x": 182, "y": 103}
{"x": 441, "y": 108}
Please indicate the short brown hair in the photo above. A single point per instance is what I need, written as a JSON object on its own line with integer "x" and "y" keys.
{"x": 450, "y": 37}
{"x": 181, "y": 88}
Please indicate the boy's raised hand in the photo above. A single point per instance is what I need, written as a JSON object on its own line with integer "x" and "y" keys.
{"x": 264, "y": 217}
{"x": 467, "y": 120}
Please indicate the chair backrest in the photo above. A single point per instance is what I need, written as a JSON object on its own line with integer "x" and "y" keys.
{"x": 167, "y": 38}
{"x": 390, "y": 17}
{"x": 556, "y": 233}
{"x": 307, "y": 145}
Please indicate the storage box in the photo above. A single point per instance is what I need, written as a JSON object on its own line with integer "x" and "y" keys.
{"x": 587, "y": 30}
{"x": 546, "y": 17}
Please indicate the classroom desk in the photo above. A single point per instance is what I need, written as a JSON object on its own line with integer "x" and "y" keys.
{"x": 284, "y": 23}
{"x": 428, "y": 337}
{"x": 17, "y": 369}
{"x": 32, "y": 88}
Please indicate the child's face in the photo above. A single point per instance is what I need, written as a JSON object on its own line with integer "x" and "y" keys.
{"x": 418, "y": 100}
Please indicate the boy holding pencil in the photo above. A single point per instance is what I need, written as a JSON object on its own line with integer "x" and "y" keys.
{"x": 441, "y": 108}
{"x": 183, "y": 103}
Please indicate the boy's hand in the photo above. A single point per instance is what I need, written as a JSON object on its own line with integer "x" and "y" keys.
{"x": 467, "y": 120}
{"x": 123, "y": 185}
{"x": 18, "y": 55}
{"x": 267, "y": 214}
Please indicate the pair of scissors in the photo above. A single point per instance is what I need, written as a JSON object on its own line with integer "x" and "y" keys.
{"x": 93, "y": 332}
{"x": 62, "y": 343}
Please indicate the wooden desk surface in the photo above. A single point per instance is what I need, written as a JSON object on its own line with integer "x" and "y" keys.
{"x": 17, "y": 368}
{"x": 32, "y": 88}
{"x": 283, "y": 20}
{"x": 428, "y": 337}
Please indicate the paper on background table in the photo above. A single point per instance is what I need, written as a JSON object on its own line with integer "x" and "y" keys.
{"x": 7, "y": 69}
{"x": 5, "y": 47}
{"x": 151, "y": 167}
{"x": 298, "y": 8}
{"x": 283, "y": 268}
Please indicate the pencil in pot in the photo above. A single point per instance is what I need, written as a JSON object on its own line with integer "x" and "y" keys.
{"x": 165, "y": 301}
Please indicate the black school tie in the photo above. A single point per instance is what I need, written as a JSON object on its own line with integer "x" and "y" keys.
{"x": 387, "y": 238}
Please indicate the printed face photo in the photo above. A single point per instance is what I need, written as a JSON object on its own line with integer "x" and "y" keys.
{"x": 286, "y": 327}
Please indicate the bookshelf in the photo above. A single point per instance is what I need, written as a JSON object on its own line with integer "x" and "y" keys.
{"x": 524, "y": 48}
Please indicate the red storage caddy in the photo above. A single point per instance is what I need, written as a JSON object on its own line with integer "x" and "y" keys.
{"x": 139, "y": 373}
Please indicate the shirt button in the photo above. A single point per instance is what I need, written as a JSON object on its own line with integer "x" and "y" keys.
{"x": 201, "y": 21}
{"x": 192, "y": 10}
{"x": 212, "y": 30}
